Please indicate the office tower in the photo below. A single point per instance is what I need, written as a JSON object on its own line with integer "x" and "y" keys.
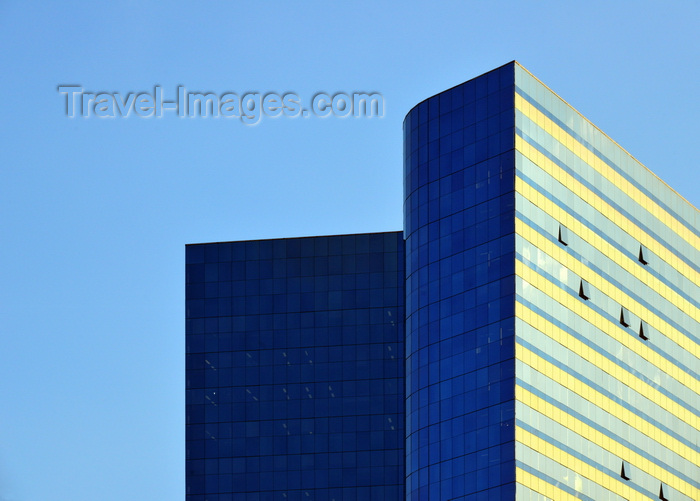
{"x": 295, "y": 365}
{"x": 551, "y": 306}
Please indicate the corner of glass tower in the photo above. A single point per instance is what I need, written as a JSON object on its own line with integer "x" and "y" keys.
{"x": 552, "y": 311}
{"x": 459, "y": 173}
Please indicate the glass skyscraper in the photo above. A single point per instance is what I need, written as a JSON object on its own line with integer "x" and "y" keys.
{"x": 534, "y": 333}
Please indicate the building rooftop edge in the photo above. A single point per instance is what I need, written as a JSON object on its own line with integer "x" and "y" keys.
{"x": 515, "y": 62}
{"x": 457, "y": 85}
{"x": 291, "y": 238}
{"x": 604, "y": 134}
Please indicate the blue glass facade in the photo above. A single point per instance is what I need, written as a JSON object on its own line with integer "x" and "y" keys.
{"x": 460, "y": 283}
{"x": 295, "y": 369}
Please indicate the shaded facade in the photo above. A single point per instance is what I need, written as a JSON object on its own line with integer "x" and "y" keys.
{"x": 544, "y": 299}
{"x": 295, "y": 369}
{"x": 460, "y": 288}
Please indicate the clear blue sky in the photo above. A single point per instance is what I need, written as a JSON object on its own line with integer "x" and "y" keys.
{"x": 95, "y": 213}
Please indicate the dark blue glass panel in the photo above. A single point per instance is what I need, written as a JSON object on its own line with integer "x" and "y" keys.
{"x": 295, "y": 369}
{"x": 459, "y": 228}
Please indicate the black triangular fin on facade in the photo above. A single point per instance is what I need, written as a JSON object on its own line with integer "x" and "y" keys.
{"x": 641, "y": 255}
{"x": 623, "y": 474}
{"x": 583, "y": 290}
{"x": 563, "y": 237}
{"x": 642, "y": 334}
{"x": 623, "y": 317}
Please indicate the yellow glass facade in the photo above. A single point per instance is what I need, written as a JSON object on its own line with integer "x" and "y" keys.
{"x": 607, "y": 315}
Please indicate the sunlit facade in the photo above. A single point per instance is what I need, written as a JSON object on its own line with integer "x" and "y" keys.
{"x": 544, "y": 298}
{"x": 607, "y": 332}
